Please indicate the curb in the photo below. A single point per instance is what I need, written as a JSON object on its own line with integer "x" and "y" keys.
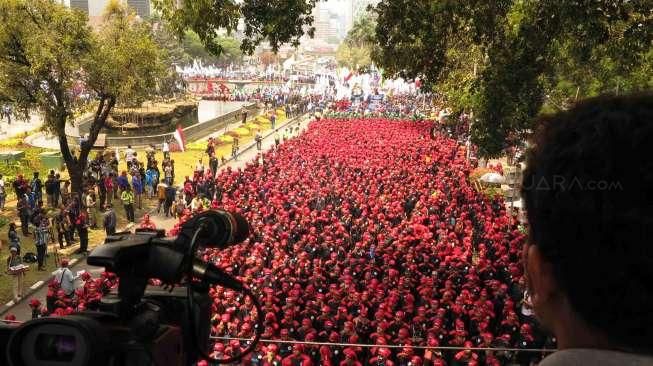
{"x": 29, "y": 291}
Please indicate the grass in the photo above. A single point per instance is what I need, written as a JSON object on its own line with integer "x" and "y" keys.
{"x": 184, "y": 166}
{"x": 95, "y": 238}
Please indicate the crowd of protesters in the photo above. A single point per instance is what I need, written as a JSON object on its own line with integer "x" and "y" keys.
{"x": 365, "y": 231}
{"x": 368, "y": 231}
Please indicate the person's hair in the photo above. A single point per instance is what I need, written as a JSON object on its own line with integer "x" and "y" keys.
{"x": 588, "y": 192}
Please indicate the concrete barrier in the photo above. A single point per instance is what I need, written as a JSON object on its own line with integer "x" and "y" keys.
{"x": 193, "y": 132}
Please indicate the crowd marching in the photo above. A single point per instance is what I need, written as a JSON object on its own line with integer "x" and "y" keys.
{"x": 365, "y": 231}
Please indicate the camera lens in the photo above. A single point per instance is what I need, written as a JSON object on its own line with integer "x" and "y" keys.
{"x": 55, "y": 347}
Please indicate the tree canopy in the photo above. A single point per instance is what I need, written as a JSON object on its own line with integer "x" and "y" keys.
{"x": 52, "y": 61}
{"x": 507, "y": 60}
{"x": 357, "y": 48}
{"x": 276, "y": 22}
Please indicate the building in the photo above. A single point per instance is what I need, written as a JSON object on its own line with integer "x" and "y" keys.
{"x": 79, "y": 4}
{"x": 142, "y": 7}
{"x": 95, "y": 8}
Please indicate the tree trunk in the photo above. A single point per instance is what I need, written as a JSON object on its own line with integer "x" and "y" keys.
{"x": 77, "y": 165}
{"x": 76, "y": 173}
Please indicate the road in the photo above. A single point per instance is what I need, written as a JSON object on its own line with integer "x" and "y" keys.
{"x": 23, "y": 312}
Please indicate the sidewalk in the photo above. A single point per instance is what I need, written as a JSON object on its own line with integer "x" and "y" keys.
{"x": 39, "y": 289}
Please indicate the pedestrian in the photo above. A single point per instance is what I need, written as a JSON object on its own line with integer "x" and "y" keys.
{"x": 165, "y": 149}
{"x": 259, "y": 141}
{"x": 213, "y": 165}
{"x": 127, "y": 198}
{"x": 57, "y": 189}
{"x": 137, "y": 184}
{"x": 65, "y": 278}
{"x": 12, "y": 261}
{"x": 151, "y": 176}
{"x": 110, "y": 220}
{"x": 123, "y": 182}
{"x": 160, "y": 195}
{"x": 49, "y": 190}
{"x": 167, "y": 171}
{"x": 37, "y": 187}
{"x": 170, "y": 194}
{"x": 61, "y": 224}
{"x": 24, "y": 212}
{"x": 273, "y": 119}
{"x": 42, "y": 236}
{"x": 129, "y": 156}
{"x": 90, "y": 208}
{"x": 14, "y": 239}
{"x": 3, "y": 193}
{"x": 82, "y": 230}
{"x": 108, "y": 185}
{"x": 199, "y": 168}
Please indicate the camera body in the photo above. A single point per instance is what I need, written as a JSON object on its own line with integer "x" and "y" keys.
{"x": 138, "y": 324}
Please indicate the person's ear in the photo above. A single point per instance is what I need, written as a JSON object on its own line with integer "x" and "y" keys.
{"x": 540, "y": 278}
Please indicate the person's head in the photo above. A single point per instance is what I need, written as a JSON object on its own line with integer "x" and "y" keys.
{"x": 12, "y": 226}
{"x": 588, "y": 192}
{"x": 13, "y": 251}
{"x": 64, "y": 263}
{"x": 36, "y": 174}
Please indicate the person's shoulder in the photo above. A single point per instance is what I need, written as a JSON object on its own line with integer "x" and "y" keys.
{"x": 578, "y": 357}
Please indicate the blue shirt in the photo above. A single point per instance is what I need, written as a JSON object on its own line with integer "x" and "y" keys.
{"x": 137, "y": 184}
{"x": 122, "y": 182}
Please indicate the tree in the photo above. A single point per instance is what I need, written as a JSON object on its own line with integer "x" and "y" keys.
{"x": 194, "y": 48}
{"x": 47, "y": 50}
{"x": 357, "y": 48}
{"x": 353, "y": 57}
{"x": 268, "y": 58}
{"x": 512, "y": 57}
{"x": 277, "y": 22}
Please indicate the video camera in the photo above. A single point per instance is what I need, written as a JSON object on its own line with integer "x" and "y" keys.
{"x": 141, "y": 324}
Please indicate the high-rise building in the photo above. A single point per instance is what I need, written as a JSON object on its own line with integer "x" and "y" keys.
{"x": 95, "y": 8}
{"x": 142, "y": 7}
{"x": 79, "y": 4}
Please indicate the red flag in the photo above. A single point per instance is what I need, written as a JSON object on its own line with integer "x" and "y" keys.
{"x": 181, "y": 139}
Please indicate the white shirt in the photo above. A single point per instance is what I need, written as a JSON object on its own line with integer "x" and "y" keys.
{"x": 165, "y": 147}
{"x": 65, "y": 277}
{"x": 129, "y": 154}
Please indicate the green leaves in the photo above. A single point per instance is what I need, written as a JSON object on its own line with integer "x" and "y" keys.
{"x": 359, "y": 45}
{"x": 275, "y": 21}
{"x": 507, "y": 60}
{"x": 52, "y": 61}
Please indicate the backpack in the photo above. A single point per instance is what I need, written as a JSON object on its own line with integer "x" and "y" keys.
{"x": 29, "y": 258}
